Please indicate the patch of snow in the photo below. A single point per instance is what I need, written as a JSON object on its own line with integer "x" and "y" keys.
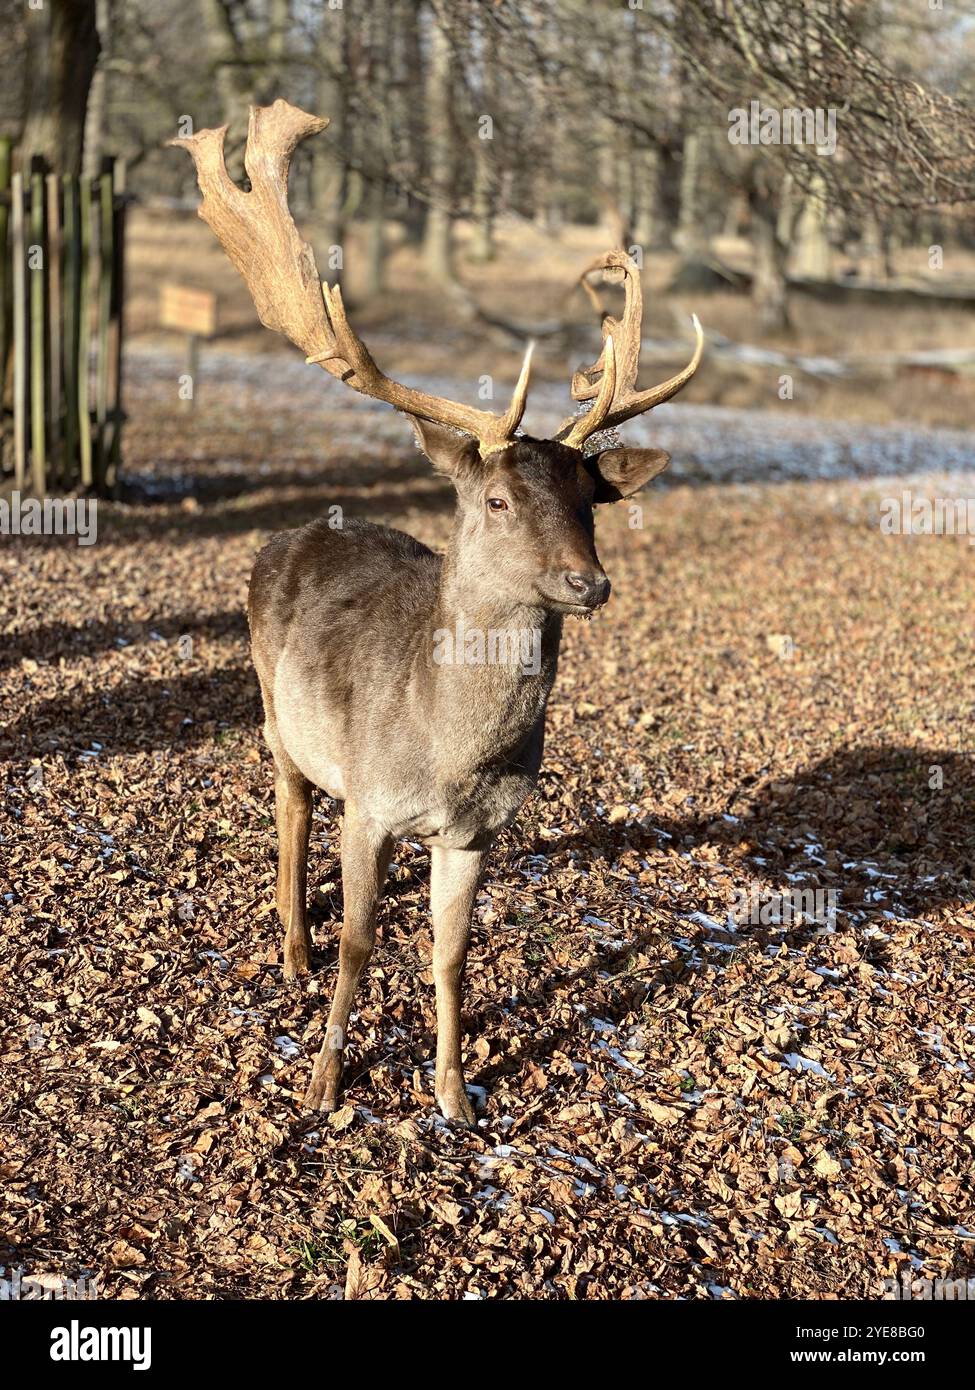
{"x": 798, "y": 1062}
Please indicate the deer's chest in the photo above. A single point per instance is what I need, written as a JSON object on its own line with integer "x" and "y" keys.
{"x": 459, "y": 811}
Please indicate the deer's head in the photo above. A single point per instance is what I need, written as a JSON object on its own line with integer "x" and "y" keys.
{"x": 525, "y": 505}
{"x": 525, "y": 514}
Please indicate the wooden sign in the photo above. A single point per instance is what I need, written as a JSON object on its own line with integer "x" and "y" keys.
{"x": 187, "y": 310}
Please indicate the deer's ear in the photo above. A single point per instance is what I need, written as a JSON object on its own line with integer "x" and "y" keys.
{"x": 449, "y": 452}
{"x": 621, "y": 472}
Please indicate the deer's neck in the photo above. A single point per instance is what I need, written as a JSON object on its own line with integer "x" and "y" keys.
{"x": 492, "y": 662}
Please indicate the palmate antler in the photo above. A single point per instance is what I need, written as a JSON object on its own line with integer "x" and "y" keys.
{"x": 257, "y": 232}
{"x": 610, "y": 383}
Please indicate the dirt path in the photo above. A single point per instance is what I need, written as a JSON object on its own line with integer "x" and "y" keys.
{"x": 708, "y": 443}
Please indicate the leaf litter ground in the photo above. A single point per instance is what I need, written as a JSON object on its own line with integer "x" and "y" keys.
{"x": 673, "y": 1103}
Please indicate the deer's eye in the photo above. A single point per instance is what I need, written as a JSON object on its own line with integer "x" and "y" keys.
{"x": 497, "y": 504}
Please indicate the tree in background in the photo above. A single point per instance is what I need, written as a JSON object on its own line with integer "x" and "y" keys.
{"x": 560, "y": 112}
{"x": 61, "y": 50}
{"x": 438, "y": 250}
{"x": 901, "y": 146}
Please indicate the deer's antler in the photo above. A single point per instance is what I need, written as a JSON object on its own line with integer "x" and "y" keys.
{"x": 610, "y": 383}
{"x": 258, "y": 233}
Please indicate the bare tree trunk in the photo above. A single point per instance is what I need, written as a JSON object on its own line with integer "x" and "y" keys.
{"x": 279, "y": 26}
{"x": 736, "y": 213}
{"x": 438, "y": 249}
{"x": 484, "y": 191}
{"x": 376, "y": 242}
{"x": 812, "y": 256}
{"x": 625, "y": 190}
{"x": 330, "y": 151}
{"x": 872, "y": 261}
{"x": 612, "y": 219}
{"x": 769, "y": 293}
{"x": 227, "y": 48}
{"x": 691, "y": 238}
{"x": 482, "y": 207}
{"x": 624, "y": 93}
{"x": 893, "y": 241}
{"x": 96, "y": 120}
{"x": 376, "y": 193}
{"x": 650, "y": 224}
{"x": 410, "y": 106}
{"x": 788, "y": 207}
{"x": 623, "y": 174}
{"x": 696, "y": 270}
{"x": 62, "y": 50}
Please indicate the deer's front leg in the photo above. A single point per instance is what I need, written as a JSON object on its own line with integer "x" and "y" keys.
{"x": 455, "y": 875}
{"x": 365, "y": 858}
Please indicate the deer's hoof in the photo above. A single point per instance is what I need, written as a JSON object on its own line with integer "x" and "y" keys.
{"x": 323, "y": 1089}
{"x": 317, "y": 1098}
{"x": 456, "y": 1106}
{"x": 297, "y": 957}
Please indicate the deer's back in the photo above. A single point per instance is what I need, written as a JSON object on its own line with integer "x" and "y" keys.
{"x": 299, "y": 571}
{"x": 342, "y": 590}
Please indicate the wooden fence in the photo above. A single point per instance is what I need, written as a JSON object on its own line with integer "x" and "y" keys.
{"x": 62, "y": 244}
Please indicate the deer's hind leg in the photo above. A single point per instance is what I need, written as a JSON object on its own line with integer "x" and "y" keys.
{"x": 292, "y": 814}
{"x": 292, "y": 809}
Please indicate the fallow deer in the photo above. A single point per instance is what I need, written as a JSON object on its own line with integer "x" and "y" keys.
{"x": 344, "y": 622}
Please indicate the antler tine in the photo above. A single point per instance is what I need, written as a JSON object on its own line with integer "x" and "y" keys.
{"x": 361, "y": 372}
{"x": 626, "y": 331}
{"x": 259, "y": 235}
{"x": 594, "y": 418}
{"x": 625, "y": 335}
{"x": 656, "y": 395}
{"x": 519, "y": 397}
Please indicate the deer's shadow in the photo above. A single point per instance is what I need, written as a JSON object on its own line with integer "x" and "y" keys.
{"x": 888, "y": 828}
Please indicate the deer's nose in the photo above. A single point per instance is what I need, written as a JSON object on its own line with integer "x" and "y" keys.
{"x": 592, "y": 590}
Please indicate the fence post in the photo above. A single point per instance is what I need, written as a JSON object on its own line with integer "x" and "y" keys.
{"x": 118, "y": 308}
{"x": 62, "y": 242}
{"x": 72, "y": 304}
{"x": 105, "y": 217}
{"x": 5, "y": 147}
{"x": 19, "y": 264}
{"x": 84, "y": 328}
{"x": 38, "y": 365}
{"x": 54, "y": 323}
